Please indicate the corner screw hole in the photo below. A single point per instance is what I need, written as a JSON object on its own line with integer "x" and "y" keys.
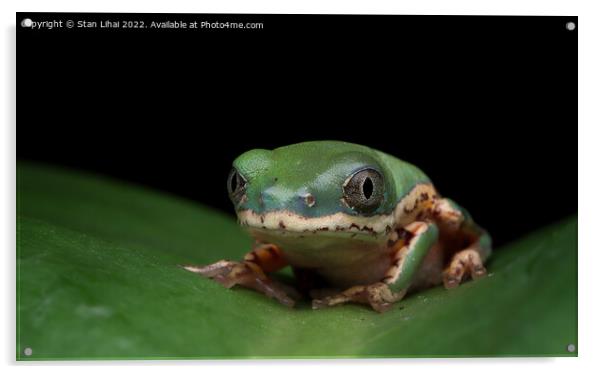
{"x": 570, "y": 26}
{"x": 570, "y": 348}
{"x": 28, "y": 351}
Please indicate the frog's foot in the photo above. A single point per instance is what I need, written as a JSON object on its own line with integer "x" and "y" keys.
{"x": 378, "y": 295}
{"x": 246, "y": 274}
{"x": 464, "y": 263}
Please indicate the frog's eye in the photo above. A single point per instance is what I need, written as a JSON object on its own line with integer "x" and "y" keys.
{"x": 236, "y": 185}
{"x": 364, "y": 190}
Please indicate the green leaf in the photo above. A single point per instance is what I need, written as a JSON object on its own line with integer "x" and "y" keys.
{"x": 97, "y": 278}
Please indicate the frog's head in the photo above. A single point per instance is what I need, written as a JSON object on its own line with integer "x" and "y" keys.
{"x": 325, "y": 188}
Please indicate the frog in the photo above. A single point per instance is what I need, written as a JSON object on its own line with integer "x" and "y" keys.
{"x": 355, "y": 224}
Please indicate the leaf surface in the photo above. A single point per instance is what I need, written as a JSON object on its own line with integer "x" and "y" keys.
{"x": 97, "y": 278}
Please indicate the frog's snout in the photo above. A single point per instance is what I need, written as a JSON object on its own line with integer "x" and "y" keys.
{"x": 272, "y": 197}
{"x": 276, "y": 198}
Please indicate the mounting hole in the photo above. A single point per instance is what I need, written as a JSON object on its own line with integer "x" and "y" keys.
{"x": 570, "y": 348}
{"x": 27, "y": 22}
{"x": 28, "y": 351}
{"x": 570, "y": 26}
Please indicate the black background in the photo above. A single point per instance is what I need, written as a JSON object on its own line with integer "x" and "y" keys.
{"x": 486, "y": 106}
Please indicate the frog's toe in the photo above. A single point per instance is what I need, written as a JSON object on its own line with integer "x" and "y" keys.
{"x": 227, "y": 273}
{"x": 464, "y": 263}
{"x": 273, "y": 290}
{"x": 246, "y": 274}
{"x": 453, "y": 276}
{"x": 478, "y": 271}
{"x": 319, "y": 304}
{"x": 377, "y": 295}
{"x": 328, "y": 301}
{"x": 210, "y": 271}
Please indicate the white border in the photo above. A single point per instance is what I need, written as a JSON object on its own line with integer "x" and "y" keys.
{"x": 590, "y": 107}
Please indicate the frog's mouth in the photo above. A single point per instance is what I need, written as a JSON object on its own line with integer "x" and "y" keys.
{"x": 337, "y": 240}
{"x": 288, "y": 223}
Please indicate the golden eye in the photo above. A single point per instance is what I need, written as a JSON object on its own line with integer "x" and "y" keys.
{"x": 364, "y": 190}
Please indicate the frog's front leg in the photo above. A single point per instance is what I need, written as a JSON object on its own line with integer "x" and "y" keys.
{"x": 250, "y": 273}
{"x": 408, "y": 252}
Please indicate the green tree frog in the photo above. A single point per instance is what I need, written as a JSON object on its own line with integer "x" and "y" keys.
{"x": 355, "y": 224}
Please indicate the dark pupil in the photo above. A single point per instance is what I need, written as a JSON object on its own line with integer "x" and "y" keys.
{"x": 367, "y": 188}
{"x": 234, "y": 182}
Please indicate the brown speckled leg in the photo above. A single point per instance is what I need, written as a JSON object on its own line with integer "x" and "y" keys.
{"x": 412, "y": 246}
{"x": 471, "y": 244}
{"x": 250, "y": 273}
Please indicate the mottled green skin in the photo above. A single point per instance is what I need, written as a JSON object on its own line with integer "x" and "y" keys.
{"x": 279, "y": 179}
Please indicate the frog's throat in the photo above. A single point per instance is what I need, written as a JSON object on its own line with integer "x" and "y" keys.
{"x": 406, "y": 211}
